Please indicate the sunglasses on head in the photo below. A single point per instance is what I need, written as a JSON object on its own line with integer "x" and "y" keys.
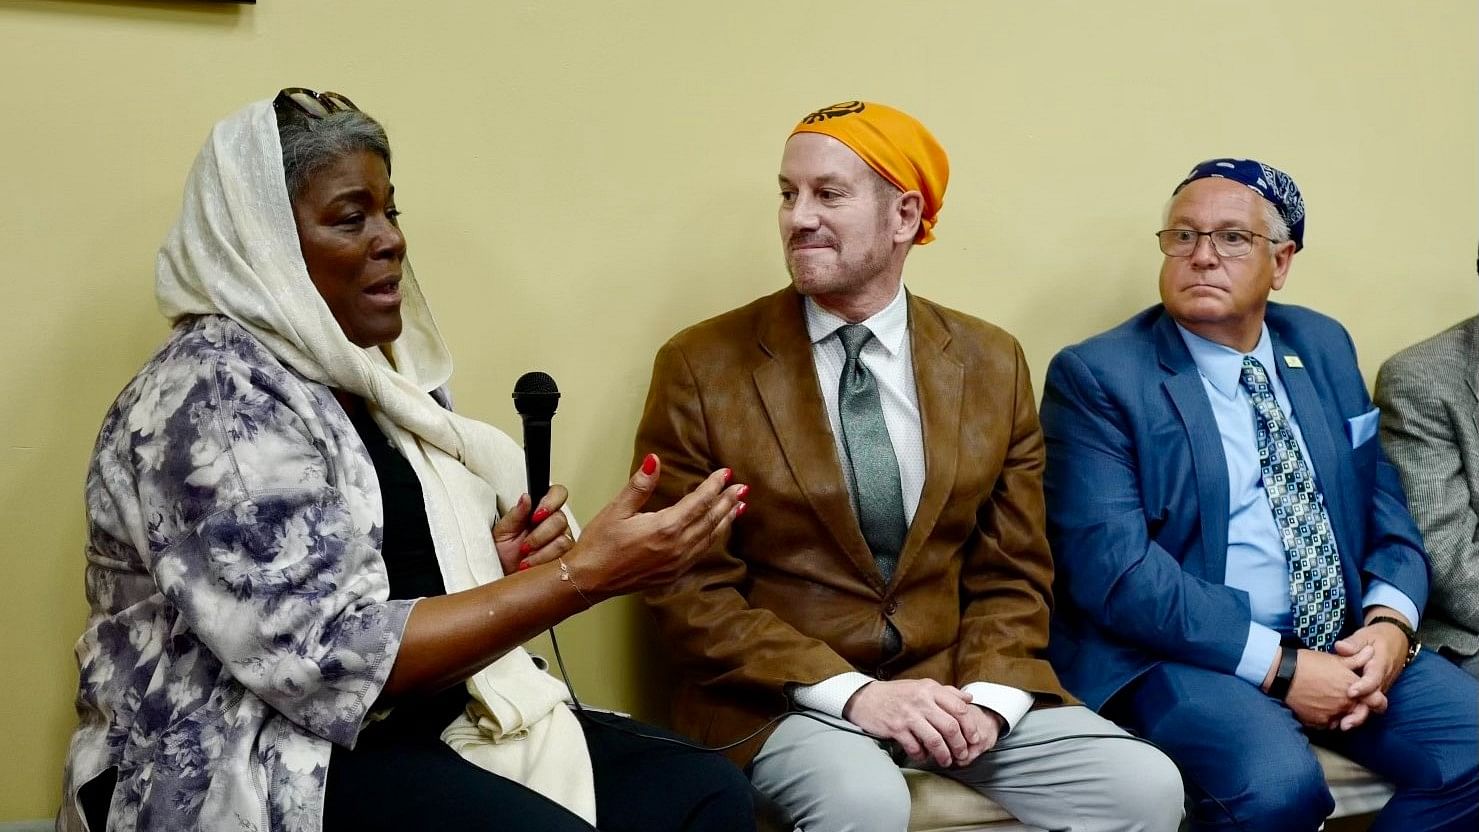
{"x": 312, "y": 104}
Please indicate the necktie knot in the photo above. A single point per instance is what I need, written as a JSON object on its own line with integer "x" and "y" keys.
{"x": 1254, "y": 377}
{"x": 853, "y": 337}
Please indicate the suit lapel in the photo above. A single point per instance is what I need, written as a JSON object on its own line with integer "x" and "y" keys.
{"x": 1209, "y": 464}
{"x": 787, "y": 384}
{"x": 939, "y": 380}
{"x": 1309, "y": 412}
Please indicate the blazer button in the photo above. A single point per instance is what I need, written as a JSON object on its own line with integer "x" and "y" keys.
{"x": 892, "y": 607}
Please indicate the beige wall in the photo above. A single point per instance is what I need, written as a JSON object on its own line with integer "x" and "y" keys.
{"x": 581, "y": 179}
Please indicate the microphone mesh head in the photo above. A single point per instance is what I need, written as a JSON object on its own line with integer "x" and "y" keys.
{"x": 535, "y": 382}
{"x": 535, "y": 394}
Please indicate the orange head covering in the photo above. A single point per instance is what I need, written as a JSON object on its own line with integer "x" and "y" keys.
{"x": 895, "y": 145}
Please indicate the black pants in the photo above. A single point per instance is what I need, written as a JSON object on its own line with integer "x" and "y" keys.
{"x": 412, "y": 780}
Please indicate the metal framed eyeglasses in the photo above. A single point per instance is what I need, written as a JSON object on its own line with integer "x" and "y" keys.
{"x": 1227, "y": 242}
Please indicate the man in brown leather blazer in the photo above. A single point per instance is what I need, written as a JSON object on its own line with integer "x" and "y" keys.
{"x": 891, "y": 575}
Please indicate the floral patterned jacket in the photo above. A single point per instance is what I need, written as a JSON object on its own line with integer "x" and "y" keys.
{"x": 239, "y": 622}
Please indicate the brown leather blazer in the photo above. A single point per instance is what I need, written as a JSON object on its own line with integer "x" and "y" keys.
{"x": 793, "y": 597}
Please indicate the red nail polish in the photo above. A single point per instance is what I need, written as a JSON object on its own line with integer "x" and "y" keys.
{"x": 649, "y": 464}
{"x": 523, "y": 564}
{"x": 728, "y": 475}
{"x": 525, "y": 549}
{"x": 540, "y": 514}
{"x": 739, "y": 510}
{"x": 744, "y": 491}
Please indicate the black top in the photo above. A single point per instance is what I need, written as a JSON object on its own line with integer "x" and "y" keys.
{"x": 410, "y": 556}
{"x": 412, "y": 570}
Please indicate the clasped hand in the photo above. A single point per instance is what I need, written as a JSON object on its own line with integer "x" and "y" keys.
{"x": 928, "y": 720}
{"x": 1341, "y": 690}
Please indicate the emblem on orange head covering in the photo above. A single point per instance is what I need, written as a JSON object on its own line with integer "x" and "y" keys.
{"x": 893, "y": 143}
{"x": 846, "y": 108}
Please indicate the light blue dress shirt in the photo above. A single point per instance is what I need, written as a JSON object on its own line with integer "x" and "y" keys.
{"x": 1256, "y": 562}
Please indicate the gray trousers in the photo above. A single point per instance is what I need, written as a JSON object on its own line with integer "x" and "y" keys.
{"x": 828, "y": 780}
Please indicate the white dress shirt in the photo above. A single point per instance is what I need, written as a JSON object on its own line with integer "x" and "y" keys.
{"x": 888, "y": 356}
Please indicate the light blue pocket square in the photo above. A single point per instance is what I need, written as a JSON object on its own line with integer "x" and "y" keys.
{"x": 1360, "y": 429}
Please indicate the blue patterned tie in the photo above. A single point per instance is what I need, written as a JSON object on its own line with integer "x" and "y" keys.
{"x": 1316, "y": 589}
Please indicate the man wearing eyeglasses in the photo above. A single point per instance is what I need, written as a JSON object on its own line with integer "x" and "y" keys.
{"x": 1238, "y": 572}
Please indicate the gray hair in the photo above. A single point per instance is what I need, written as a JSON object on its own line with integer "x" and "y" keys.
{"x": 1277, "y": 228}
{"x": 311, "y": 144}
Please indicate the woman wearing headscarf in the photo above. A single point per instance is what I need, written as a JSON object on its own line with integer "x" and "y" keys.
{"x": 299, "y": 616}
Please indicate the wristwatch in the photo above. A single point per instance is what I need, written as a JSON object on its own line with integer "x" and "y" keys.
{"x": 1284, "y": 676}
{"x": 1413, "y": 645}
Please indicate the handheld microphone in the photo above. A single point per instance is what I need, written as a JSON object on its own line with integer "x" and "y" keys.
{"x": 535, "y": 398}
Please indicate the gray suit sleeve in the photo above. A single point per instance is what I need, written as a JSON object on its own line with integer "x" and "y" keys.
{"x": 1418, "y": 434}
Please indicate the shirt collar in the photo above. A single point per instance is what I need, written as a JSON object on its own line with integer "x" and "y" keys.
{"x": 1222, "y": 365}
{"x": 889, "y": 325}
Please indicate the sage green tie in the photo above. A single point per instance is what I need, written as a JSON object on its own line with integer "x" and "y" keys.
{"x": 877, "y": 494}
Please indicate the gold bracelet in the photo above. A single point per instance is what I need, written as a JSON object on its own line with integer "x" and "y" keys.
{"x": 565, "y": 576}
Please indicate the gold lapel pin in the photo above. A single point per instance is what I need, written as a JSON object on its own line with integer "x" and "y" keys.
{"x": 1293, "y": 361}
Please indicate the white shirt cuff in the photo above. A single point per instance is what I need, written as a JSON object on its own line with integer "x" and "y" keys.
{"x": 1009, "y": 703}
{"x": 830, "y": 696}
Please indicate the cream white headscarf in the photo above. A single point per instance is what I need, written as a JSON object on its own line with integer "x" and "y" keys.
{"x": 235, "y": 252}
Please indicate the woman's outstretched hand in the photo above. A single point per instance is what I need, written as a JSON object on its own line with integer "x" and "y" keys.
{"x": 624, "y": 549}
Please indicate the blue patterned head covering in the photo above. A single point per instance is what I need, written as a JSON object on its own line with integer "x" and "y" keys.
{"x": 1271, "y": 183}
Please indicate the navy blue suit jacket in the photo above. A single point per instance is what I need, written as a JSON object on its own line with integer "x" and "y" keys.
{"x": 1137, "y": 497}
